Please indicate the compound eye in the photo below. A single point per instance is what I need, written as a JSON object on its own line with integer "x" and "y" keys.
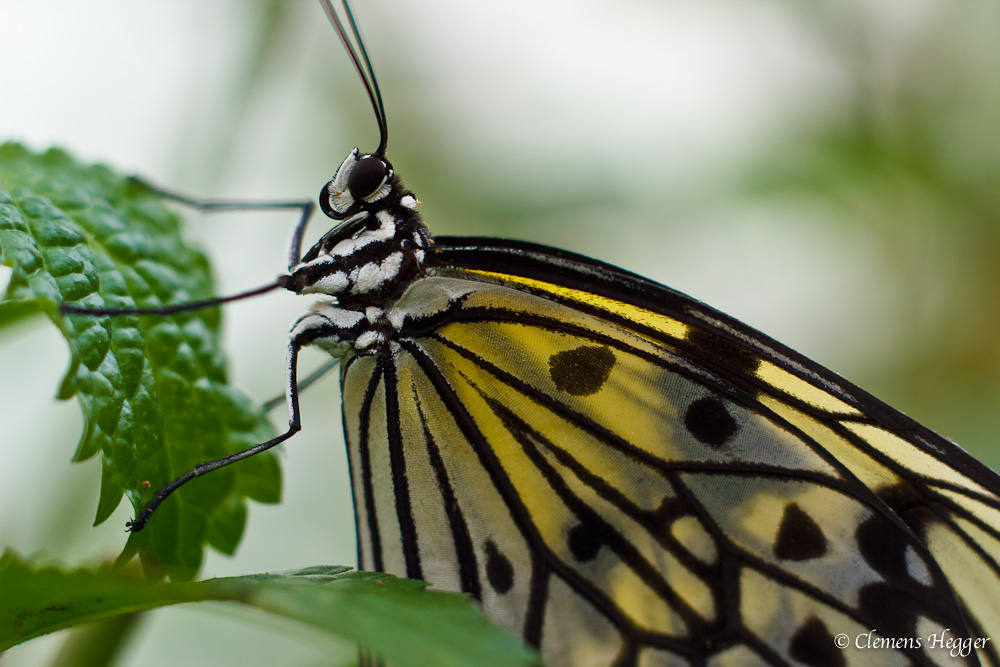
{"x": 367, "y": 177}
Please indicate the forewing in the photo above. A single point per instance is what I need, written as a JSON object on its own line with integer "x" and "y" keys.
{"x": 619, "y": 472}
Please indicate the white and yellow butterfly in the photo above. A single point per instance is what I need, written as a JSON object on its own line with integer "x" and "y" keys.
{"x": 619, "y": 473}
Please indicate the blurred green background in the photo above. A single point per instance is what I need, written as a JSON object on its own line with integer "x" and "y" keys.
{"x": 829, "y": 174}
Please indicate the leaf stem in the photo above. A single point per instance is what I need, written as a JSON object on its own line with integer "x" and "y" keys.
{"x": 98, "y": 644}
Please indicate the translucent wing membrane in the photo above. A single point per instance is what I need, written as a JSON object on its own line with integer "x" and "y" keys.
{"x": 625, "y": 476}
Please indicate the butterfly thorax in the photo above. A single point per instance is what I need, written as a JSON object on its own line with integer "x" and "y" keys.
{"x": 365, "y": 262}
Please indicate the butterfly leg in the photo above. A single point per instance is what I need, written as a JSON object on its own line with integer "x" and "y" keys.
{"x": 294, "y": 425}
{"x": 304, "y": 384}
{"x": 212, "y": 206}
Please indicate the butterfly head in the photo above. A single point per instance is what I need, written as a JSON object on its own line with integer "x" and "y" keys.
{"x": 361, "y": 182}
{"x": 378, "y": 243}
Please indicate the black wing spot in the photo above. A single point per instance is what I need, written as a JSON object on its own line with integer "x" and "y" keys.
{"x": 909, "y": 589}
{"x": 910, "y": 506}
{"x": 709, "y": 422}
{"x": 499, "y": 570}
{"x": 724, "y": 352}
{"x": 893, "y": 612}
{"x": 583, "y": 371}
{"x": 813, "y": 644}
{"x": 883, "y": 546}
{"x": 799, "y": 537}
{"x": 584, "y": 542}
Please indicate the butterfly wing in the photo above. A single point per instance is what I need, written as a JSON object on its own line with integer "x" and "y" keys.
{"x": 625, "y": 476}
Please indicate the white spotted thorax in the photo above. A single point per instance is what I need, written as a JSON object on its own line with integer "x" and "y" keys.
{"x": 364, "y": 263}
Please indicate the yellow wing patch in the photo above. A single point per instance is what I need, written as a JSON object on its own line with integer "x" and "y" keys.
{"x": 653, "y": 320}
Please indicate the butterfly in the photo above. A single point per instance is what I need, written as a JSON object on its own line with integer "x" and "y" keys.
{"x": 619, "y": 473}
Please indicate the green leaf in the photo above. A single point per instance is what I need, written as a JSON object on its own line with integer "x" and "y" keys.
{"x": 408, "y": 624}
{"x": 12, "y": 312}
{"x": 153, "y": 389}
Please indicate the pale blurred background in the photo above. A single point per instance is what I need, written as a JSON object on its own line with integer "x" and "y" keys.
{"x": 829, "y": 174}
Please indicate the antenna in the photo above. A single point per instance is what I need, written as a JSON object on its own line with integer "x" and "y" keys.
{"x": 366, "y": 71}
